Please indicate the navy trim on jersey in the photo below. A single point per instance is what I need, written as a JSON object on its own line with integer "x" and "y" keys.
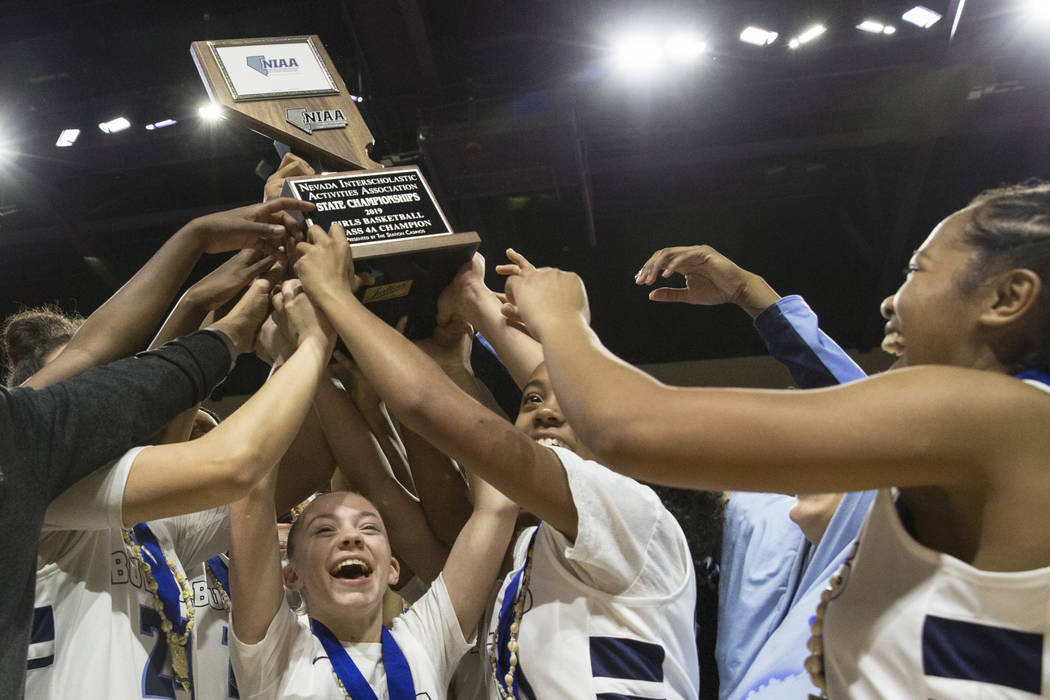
{"x": 618, "y": 696}
{"x": 983, "y": 653}
{"x": 627, "y": 659}
{"x": 43, "y": 631}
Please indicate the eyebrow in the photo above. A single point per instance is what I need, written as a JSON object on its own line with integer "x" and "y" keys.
{"x": 331, "y": 516}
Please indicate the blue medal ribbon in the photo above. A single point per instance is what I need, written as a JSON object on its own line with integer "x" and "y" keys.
{"x": 1035, "y": 374}
{"x": 398, "y": 674}
{"x": 506, "y": 617}
{"x": 220, "y": 571}
{"x": 168, "y": 590}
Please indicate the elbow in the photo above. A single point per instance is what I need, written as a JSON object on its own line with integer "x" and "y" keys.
{"x": 613, "y": 447}
{"x": 239, "y": 472}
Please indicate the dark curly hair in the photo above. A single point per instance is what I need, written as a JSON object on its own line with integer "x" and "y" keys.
{"x": 29, "y": 336}
{"x": 1009, "y": 228}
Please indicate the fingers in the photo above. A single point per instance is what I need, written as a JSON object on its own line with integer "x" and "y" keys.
{"x": 656, "y": 263}
{"x": 283, "y": 204}
{"x": 520, "y": 260}
{"x": 669, "y": 294}
{"x": 508, "y": 270}
{"x": 292, "y": 165}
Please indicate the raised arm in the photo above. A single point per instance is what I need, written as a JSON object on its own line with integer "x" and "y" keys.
{"x": 904, "y": 428}
{"x": 364, "y": 465}
{"x": 222, "y": 465}
{"x": 476, "y": 557}
{"x": 787, "y": 324}
{"x": 467, "y": 299}
{"x": 256, "y": 590}
{"x": 122, "y": 325}
{"x": 426, "y": 400}
{"x": 211, "y": 292}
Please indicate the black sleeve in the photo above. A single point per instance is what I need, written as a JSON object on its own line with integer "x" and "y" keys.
{"x": 67, "y": 430}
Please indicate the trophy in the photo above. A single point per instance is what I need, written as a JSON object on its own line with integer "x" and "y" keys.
{"x": 287, "y": 89}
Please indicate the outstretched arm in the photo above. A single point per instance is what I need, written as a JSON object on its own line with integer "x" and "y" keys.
{"x": 122, "y": 325}
{"x": 904, "y": 428}
{"x": 219, "y": 467}
{"x": 475, "y": 559}
{"x": 467, "y": 299}
{"x": 426, "y": 400}
{"x": 362, "y": 462}
{"x": 787, "y": 325}
{"x": 256, "y": 588}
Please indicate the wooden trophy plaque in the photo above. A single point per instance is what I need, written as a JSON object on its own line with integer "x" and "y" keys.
{"x": 287, "y": 89}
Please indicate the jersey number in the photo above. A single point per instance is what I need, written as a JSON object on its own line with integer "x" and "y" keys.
{"x": 155, "y": 684}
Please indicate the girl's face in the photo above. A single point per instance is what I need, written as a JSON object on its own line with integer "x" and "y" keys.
{"x": 342, "y": 561}
{"x": 932, "y": 319}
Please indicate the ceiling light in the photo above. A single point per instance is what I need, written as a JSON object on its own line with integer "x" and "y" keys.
{"x": 889, "y": 29}
{"x": 684, "y": 47}
{"x": 209, "y": 112}
{"x": 921, "y": 17}
{"x": 637, "y": 53}
{"x": 67, "y": 138}
{"x": 811, "y": 33}
{"x": 758, "y": 36}
{"x": 807, "y": 36}
{"x": 1039, "y": 10}
{"x": 114, "y": 125}
{"x": 870, "y": 25}
{"x": 161, "y": 124}
{"x": 357, "y": 98}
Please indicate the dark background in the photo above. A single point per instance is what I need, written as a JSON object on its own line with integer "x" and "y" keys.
{"x": 820, "y": 168}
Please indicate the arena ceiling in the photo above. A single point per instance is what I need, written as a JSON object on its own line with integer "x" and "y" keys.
{"x": 820, "y": 167}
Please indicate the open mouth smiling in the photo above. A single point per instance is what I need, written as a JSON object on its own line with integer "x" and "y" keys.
{"x": 351, "y": 570}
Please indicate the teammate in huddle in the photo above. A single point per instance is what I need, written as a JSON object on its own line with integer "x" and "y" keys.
{"x": 601, "y": 596}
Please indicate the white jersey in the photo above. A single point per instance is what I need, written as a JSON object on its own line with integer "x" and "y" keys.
{"x": 611, "y": 614}
{"x": 98, "y": 635}
{"x": 911, "y": 622}
{"x": 213, "y": 677}
{"x": 290, "y": 663}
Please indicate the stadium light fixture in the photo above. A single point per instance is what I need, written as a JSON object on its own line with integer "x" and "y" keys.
{"x": 67, "y": 138}
{"x": 921, "y": 17}
{"x": 161, "y": 124}
{"x": 114, "y": 125}
{"x": 758, "y": 36}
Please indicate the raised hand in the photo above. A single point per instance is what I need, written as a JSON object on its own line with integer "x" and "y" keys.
{"x": 291, "y": 166}
{"x": 297, "y": 317}
{"x": 540, "y": 297}
{"x": 324, "y": 264}
{"x": 224, "y": 282}
{"x": 710, "y": 278}
{"x": 260, "y": 226}
{"x": 242, "y": 323}
{"x": 460, "y": 299}
{"x": 272, "y": 346}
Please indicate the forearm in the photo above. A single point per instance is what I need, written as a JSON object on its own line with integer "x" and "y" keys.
{"x": 519, "y": 352}
{"x": 121, "y": 326}
{"x": 187, "y": 316}
{"x": 79, "y": 424}
{"x": 362, "y": 462}
{"x": 221, "y": 466}
{"x": 306, "y": 467}
{"x": 446, "y": 504}
{"x": 256, "y": 588}
{"x": 792, "y": 335}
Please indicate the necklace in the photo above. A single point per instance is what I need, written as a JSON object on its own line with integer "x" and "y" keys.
{"x": 218, "y": 575}
{"x": 515, "y": 594}
{"x": 815, "y": 661}
{"x": 176, "y": 628}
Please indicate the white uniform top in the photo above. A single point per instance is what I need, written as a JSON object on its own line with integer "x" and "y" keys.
{"x": 290, "y": 663}
{"x": 611, "y": 614}
{"x": 96, "y": 634}
{"x": 911, "y": 622}
{"x": 212, "y": 673}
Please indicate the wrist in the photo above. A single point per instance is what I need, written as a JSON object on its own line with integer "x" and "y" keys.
{"x": 193, "y": 232}
{"x": 755, "y": 295}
